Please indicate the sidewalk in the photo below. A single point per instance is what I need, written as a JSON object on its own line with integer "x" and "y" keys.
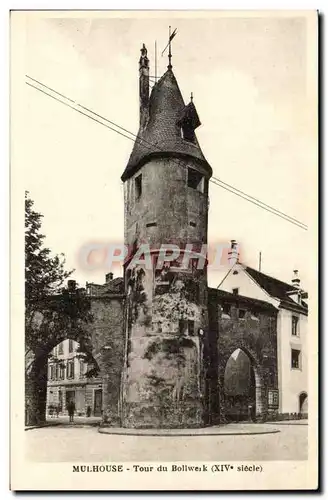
{"x": 77, "y": 420}
{"x": 222, "y": 430}
{"x": 64, "y": 421}
{"x": 290, "y": 422}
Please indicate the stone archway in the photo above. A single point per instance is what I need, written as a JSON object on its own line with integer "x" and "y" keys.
{"x": 256, "y": 396}
{"x": 303, "y": 403}
{"x": 102, "y": 338}
{"x": 36, "y": 377}
{"x": 242, "y": 387}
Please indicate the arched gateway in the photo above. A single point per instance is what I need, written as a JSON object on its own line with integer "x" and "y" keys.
{"x": 242, "y": 390}
{"x": 101, "y": 339}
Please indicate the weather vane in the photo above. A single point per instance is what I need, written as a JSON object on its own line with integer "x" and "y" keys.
{"x": 171, "y": 36}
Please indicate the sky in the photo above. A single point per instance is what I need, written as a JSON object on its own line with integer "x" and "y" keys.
{"x": 253, "y": 89}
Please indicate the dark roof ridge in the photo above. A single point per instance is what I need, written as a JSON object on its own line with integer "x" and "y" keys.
{"x": 269, "y": 276}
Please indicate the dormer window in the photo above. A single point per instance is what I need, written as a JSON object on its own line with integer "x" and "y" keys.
{"x": 196, "y": 180}
{"x": 188, "y": 133}
{"x": 188, "y": 122}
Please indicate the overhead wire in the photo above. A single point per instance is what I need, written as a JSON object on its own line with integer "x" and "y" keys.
{"x": 150, "y": 146}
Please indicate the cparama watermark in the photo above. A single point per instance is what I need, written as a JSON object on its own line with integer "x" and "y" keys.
{"x": 108, "y": 255}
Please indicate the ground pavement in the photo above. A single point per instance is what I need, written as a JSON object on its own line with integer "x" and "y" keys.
{"x": 81, "y": 443}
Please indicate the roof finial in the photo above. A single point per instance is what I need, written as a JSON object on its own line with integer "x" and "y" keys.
{"x": 171, "y": 36}
{"x": 191, "y": 96}
{"x": 170, "y": 54}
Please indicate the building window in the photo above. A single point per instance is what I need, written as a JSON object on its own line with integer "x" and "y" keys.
{"x": 56, "y": 371}
{"x": 226, "y": 309}
{"x": 296, "y": 358}
{"x": 70, "y": 345}
{"x": 62, "y": 372}
{"x": 61, "y": 348}
{"x": 195, "y": 180}
{"x": 191, "y": 327}
{"x": 70, "y": 369}
{"x": 295, "y": 325}
{"x": 235, "y": 291}
{"x": 182, "y": 326}
{"x": 81, "y": 369}
{"x": 52, "y": 372}
{"x": 241, "y": 313}
{"x": 255, "y": 315}
{"x": 138, "y": 186}
{"x": 273, "y": 398}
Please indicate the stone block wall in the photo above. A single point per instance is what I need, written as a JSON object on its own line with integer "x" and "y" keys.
{"x": 255, "y": 333}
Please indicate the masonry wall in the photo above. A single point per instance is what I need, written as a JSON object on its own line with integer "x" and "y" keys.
{"x": 166, "y": 309}
{"x": 256, "y": 335}
{"x": 167, "y": 201}
{"x": 107, "y": 337}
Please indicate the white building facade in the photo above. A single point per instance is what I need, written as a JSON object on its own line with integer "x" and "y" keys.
{"x": 68, "y": 381}
{"x": 292, "y": 320}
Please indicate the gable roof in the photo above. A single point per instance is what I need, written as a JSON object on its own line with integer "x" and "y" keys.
{"x": 162, "y": 136}
{"x": 115, "y": 286}
{"x": 277, "y": 289}
{"x": 224, "y": 296}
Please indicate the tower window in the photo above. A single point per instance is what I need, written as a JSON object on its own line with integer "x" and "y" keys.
{"x": 242, "y": 313}
{"x": 138, "y": 186}
{"x": 191, "y": 327}
{"x": 182, "y": 326}
{"x": 195, "y": 180}
{"x": 226, "y": 309}
{"x": 188, "y": 133}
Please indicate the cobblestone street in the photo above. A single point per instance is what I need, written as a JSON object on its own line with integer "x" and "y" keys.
{"x": 76, "y": 443}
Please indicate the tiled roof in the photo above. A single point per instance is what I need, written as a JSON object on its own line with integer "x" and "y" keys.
{"x": 276, "y": 288}
{"x": 223, "y": 295}
{"x": 115, "y": 286}
{"x": 161, "y": 135}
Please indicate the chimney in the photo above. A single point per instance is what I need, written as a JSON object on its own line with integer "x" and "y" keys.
{"x": 109, "y": 277}
{"x": 144, "y": 86}
{"x": 71, "y": 285}
{"x": 233, "y": 254}
{"x": 296, "y": 280}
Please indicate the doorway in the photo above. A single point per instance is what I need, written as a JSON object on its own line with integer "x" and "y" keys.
{"x": 70, "y": 398}
{"x": 303, "y": 403}
{"x": 239, "y": 388}
{"x": 97, "y": 405}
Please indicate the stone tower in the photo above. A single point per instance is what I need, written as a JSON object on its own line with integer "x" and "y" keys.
{"x": 166, "y": 203}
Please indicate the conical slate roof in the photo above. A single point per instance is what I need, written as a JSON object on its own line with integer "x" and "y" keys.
{"x": 161, "y": 135}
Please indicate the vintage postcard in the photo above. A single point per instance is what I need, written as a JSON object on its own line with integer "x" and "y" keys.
{"x": 164, "y": 322}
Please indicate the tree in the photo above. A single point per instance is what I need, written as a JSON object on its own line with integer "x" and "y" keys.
{"x": 52, "y": 312}
{"x": 44, "y": 274}
{"x": 48, "y": 305}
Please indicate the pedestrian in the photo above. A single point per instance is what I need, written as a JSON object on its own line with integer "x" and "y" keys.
{"x": 250, "y": 416}
{"x": 71, "y": 410}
